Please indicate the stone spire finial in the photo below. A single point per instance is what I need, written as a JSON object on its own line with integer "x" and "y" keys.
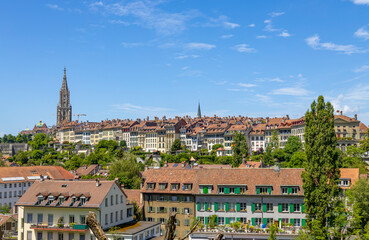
{"x": 199, "y": 111}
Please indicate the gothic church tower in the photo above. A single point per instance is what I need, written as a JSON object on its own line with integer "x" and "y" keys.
{"x": 64, "y": 109}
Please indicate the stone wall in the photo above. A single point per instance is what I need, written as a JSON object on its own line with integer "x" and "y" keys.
{"x": 13, "y": 148}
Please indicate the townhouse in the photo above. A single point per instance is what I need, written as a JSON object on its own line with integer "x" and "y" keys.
{"x": 58, "y": 209}
{"x": 215, "y": 134}
{"x": 15, "y": 181}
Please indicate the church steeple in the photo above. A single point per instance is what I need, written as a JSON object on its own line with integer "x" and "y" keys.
{"x": 64, "y": 109}
{"x": 199, "y": 111}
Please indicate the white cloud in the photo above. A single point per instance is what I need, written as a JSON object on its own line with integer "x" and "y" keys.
{"x": 148, "y": 15}
{"x": 54, "y": 6}
{"x": 200, "y": 46}
{"x": 131, "y": 45}
{"x": 251, "y": 25}
{"x": 339, "y": 105}
{"x": 261, "y": 37}
{"x": 243, "y": 48}
{"x": 363, "y": 68}
{"x": 135, "y": 108}
{"x": 314, "y": 42}
{"x": 276, "y": 14}
{"x": 180, "y": 57}
{"x": 221, "y": 21}
{"x": 284, "y": 34}
{"x": 277, "y": 79}
{"x": 246, "y": 85}
{"x": 362, "y": 33}
{"x": 291, "y": 91}
{"x": 185, "y": 68}
{"x": 120, "y": 22}
{"x": 361, "y": 2}
{"x": 226, "y": 36}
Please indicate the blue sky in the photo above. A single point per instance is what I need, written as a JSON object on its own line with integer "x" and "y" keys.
{"x": 130, "y": 59}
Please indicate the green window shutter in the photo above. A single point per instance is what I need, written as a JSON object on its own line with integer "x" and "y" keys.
{"x": 226, "y": 206}
{"x": 291, "y": 220}
{"x": 182, "y": 210}
{"x": 289, "y": 190}
{"x": 279, "y": 207}
{"x": 205, "y": 190}
{"x": 291, "y": 207}
{"x": 148, "y": 209}
{"x": 226, "y": 190}
{"x": 279, "y": 220}
{"x": 216, "y": 220}
{"x": 302, "y": 208}
{"x": 303, "y": 222}
{"x": 153, "y": 210}
{"x": 206, "y": 220}
{"x": 165, "y": 210}
{"x": 265, "y": 221}
{"x": 264, "y": 207}
{"x": 158, "y": 209}
{"x": 257, "y": 190}
{"x": 198, "y": 206}
{"x": 238, "y": 208}
{"x": 190, "y": 210}
{"x": 178, "y": 210}
{"x": 253, "y": 221}
{"x": 226, "y": 220}
{"x": 270, "y": 190}
{"x": 253, "y": 208}
{"x": 238, "y": 219}
{"x": 215, "y": 206}
{"x": 237, "y": 190}
{"x": 206, "y": 206}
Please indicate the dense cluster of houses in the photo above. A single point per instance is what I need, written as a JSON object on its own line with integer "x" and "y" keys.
{"x": 198, "y": 133}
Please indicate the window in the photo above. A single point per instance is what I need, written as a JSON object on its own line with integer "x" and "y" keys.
{"x": 82, "y": 219}
{"x": 111, "y": 200}
{"x": 161, "y": 209}
{"x": 50, "y": 219}
{"x": 83, "y": 200}
{"x": 173, "y": 209}
{"x": 49, "y": 236}
{"x": 71, "y": 236}
{"x": 174, "y": 186}
{"x": 243, "y": 190}
{"x": 5, "y": 194}
{"x": 161, "y": 198}
{"x": 296, "y": 207}
{"x": 10, "y": 185}
{"x": 106, "y": 202}
{"x": 220, "y": 220}
{"x": 174, "y": 199}
{"x": 269, "y": 207}
{"x": 284, "y": 207}
{"x": 121, "y": 214}
{"x": 1, "y": 195}
{"x": 116, "y": 198}
{"x": 10, "y": 194}
{"x": 187, "y": 199}
{"x": 111, "y": 217}
{"x": 221, "y": 190}
{"x": 116, "y": 216}
{"x": 243, "y": 207}
{"x": 186, "y": 211}
{"x": 231, "y": 190}
{"x": 162, "y": 186}
{"x": 187, "y": 186}
{"x": 29, "y": 235}
{"x": 5, "y": 185}
{"x": 60, "y": 236}
{"x": 39, "y": 235}
{"x": 221, "y": 206}
{"x": 121, "y": 198}
{"x": 296, "y": 222}
{"x": 106, "y": 219}
{"x": 162, "y": 220}
{"x": 263, "y": 190}
{"x": 232, "y": 206}
{"x": 187, "y": 222}
{"x": 29, "y": 217}
{"x": 294, "y": 190}
{"x": 243, "y": 220}
{"x": 129, "y": 212}
{"x": 202, "y": 206}
{"x": 257, "y": 206}
{"x": 257, "y": 221}
{"x": 269, "y": 221}
{"x": 40, "y": 218}
{"x": 151, "y": 219}
{"x": 150, "y": 186}
{"x": 284, "y": 190}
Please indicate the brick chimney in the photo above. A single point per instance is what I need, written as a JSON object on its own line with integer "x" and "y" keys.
{"x": 355, "y": 116}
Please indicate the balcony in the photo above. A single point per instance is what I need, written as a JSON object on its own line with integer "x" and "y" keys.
{"x": 60, "y": 227}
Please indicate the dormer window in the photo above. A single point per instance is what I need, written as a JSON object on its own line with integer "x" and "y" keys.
{"x": 187, "y": 186}
{"x": 83, "y": 200}
{"x": 174, "y": 186}
{"x": 264, "y": 190}
{"x": 162, "y": 186}
{"x": 61, "y": 200}
{"x": 50, "y": 200}
{"x": 40, "y": 199}
{"x": 150, "y": 186}
{"x": 74, "y": 199}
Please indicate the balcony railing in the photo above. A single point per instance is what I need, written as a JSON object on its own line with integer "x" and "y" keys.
{"x": 60, "y": 227}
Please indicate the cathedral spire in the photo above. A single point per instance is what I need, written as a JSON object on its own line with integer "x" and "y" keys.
{"x": 199, "y": 111}
{"x": 65, "y": 84}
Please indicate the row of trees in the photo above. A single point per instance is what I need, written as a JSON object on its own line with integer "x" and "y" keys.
{"x": 20, "y": 138}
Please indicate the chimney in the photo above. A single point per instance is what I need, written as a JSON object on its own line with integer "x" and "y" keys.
{"x": 166, "y": 164}
{"x": 243, "y": 159}
{"x": 341, "y": 112}
{"x": 122, "y": 186}
{"x": 288, "y": 117}
{"x": 41, "y": 178}
{"x": 183, "y": 164}
{"x": 98, "y": 182}
{"x": 355, "y": 116}
{"x": 116, "y": 180}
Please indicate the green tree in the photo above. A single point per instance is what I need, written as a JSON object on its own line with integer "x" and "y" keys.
{"x": 123, "y": 144}
{"x": 176, "y": 145}
{"x": 303, "y": 235}
{"x": 358, "y": 196}
{"x": 4, "y": 209}
{"x": 212, "y": 221}
{"x": 39, "y": 141}
{"x": 275, "y": 140}
{"x": 273, "y": 232}
{"x": 216, "y": 146}
{"x": 297, "y": 160}
{"x": 293, "y": 145}
{"x": 239, "y": 148}
{"x": 321, "y": 174}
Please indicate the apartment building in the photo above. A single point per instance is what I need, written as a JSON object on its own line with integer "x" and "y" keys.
{"x": 169, "y": 190}
{"x": 215, "y": 134}
{"x": 257, "y": 138}
{"x": 15, "y": 181}
{"x": 58, "y": 209}
{"x": 229, "y": 134}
